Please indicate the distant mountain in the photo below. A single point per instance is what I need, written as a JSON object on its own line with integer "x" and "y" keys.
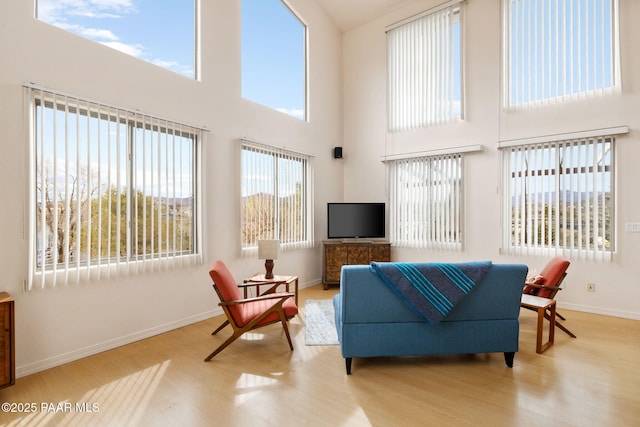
{"x": 179, "y": 201}
{"x": 566, "y": 196}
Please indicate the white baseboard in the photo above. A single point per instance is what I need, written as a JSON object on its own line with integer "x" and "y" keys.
{"x": 597, "y": 310}
{"x": 61, "y": 359}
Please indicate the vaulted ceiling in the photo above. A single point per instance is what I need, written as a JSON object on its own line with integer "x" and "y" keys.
{"x": 349, "y": 14}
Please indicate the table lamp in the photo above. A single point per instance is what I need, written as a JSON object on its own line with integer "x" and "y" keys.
{"x": 268, "y": 250}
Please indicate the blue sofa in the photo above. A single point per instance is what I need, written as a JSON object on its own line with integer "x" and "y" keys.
{"x": 372, "y": 320}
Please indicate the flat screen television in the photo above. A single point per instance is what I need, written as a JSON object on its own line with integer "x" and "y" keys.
{"x": 355, "y": 220}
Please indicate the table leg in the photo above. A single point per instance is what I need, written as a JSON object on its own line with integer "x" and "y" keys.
{"x": 552, "y": 323}
{"x": 552, "y": 327}
{"x": 540, "y": 330}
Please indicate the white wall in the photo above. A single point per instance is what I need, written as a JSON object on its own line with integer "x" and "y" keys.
{"x": 364, "y": 61}
{"x": 54, "y": 326}
{"x": 347, "y": 103}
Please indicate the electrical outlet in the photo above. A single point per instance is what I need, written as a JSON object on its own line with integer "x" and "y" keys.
{"x": 591, "y": 287}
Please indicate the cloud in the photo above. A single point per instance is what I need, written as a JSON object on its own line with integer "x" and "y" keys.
{"x": 98, "y": 34}
{"x": 95, "y": 34}
{"x": 54, "y": 11}
{"x": 133, "y": 50}
{"x": 297, "y": 113}
{"x": 76, "y": 16}
{"x": 57, "y": 12}
{"x": 121, "y": 5}
{"x": 61, "y": 13}
{"x": 177, "y": 67}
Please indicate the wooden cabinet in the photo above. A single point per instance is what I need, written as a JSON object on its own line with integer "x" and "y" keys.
{"x": 336, "y": 254}
{"x": 7, "y": 344}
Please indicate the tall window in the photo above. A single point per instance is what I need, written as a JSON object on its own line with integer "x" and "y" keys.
{"x": 425, "y": 70}
{"x": 559, "y": 50}
{"x": 426, "y": 202}
{"x": 160, "y": 32}
{"x": 274, "y": 62}
{"x": 559, "y": 198}
{"x": 114, "y": 191}
{"x": 276, "y": 197}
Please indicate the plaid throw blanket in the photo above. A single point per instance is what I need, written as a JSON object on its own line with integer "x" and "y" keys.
{"x": 432, "y": 290}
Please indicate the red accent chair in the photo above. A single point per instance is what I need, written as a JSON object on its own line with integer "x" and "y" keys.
{"x": 247, "y": 314}
{"x": 547, "y": 284}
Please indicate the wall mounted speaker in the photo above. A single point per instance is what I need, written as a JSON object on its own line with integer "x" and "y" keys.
{"x": 337, "y": 152}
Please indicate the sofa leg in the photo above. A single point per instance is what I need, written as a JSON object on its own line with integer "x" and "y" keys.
{"x": 508, "y": 357}
{"x": 347, "y": 361}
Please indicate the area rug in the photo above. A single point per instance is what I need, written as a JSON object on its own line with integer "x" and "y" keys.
{"x": 319, "y": 323}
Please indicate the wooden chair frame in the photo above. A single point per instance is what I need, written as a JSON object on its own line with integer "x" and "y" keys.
{"x": 255, "y": 322}
{"x": 552, "y": 296}
{"x": 245, "y": 286}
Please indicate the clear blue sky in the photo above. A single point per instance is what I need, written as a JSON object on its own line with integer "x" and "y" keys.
{"x": 273, "y": 76}
{"x": 163, "y": 32}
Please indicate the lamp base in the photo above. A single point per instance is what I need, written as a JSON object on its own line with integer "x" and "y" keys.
{"x": 268, "y": 265}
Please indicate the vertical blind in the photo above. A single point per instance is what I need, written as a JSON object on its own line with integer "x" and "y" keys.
{"x": 424, "y": 70}
{"x": 559, "y": 50}
{"x": 276, "y": 197}
{"x": 426, "y": 202}
{"x": 113, "y": 191}
{"x": 559, "y": 198}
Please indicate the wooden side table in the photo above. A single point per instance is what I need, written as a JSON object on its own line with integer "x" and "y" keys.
{"x": 541, "y": 305}
{"x": 337, "y": 254}
{"x": 258, "y": 280}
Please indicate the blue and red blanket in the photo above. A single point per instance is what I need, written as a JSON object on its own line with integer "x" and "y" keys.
{"x": 432, "y": 290}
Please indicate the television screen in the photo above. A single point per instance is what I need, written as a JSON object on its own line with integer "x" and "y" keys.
{"x": 355, "y": 220}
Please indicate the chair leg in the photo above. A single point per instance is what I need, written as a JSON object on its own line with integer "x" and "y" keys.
{"x": 283, "y": 319}
{"x": 561, "y": 326}
{"x": 571, "y": 334}
{"x": 224, "y": 345}
{"x": 221, "y": 327}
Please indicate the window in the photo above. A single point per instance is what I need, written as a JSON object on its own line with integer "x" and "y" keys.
{"x": 425, "y": 70}
{"x": 274, "y": 59}
{"x": 163, "y": 33}
{"x": 114, "y": 191}
{"x": 559, "y": 197}
{"x": 426, "y": 202}
{"x": 559, "y": 50}
{"x": 276, "y": 198}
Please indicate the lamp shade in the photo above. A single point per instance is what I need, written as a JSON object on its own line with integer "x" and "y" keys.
{"x": 268, "y": 249}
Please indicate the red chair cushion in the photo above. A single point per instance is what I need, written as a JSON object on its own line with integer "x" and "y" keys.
{"x": 245, "y": 313}
{"x": 225, "y": 282}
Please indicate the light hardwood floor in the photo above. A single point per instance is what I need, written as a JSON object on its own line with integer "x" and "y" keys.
{"x": 593, "y": 380}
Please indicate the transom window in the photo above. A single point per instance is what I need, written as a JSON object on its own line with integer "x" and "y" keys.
{"x": 276, "y": 200}
{"x": 559, "y": 50}
{"x": 274, "y": 62}
{"x": 113, "y": 191}
{"x": 160, "y": 32}
{"x": 560, "y": 198}
{"x": 424, "y": 60}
